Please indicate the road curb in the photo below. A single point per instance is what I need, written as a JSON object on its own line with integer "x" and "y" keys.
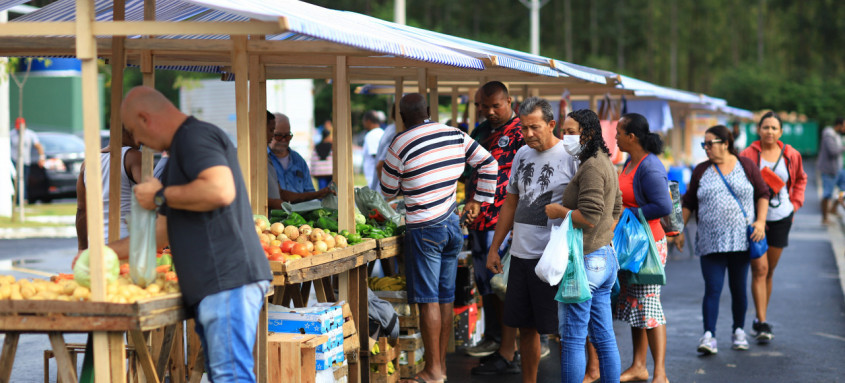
{"x": 39, "y": 232}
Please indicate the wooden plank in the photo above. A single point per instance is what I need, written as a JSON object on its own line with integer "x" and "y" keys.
{"x": 165, "y": 350}
{"x": 159, "y": 28}
{"x": 316, "y": 260}
{"x": 398, "y": 87}
{"x": 117, "y": 357}
{"x": 261, "y": 141}
{"x": 118, "y": 62}
{"x": 177, "y": 355}
{"x": 332, "y": 268}
{"x": 240, "y": 66}
{"x": 422, "y": 81}
{"x": 7, "y": 359}
{"x": 261, "y": 367}
{"x": 328, "y": 289}
{"x": 194, "y": 349}
{"x": 199, "y": 367}
{"x": 455, "y": 107}
{"x": 144, "y": 356}
{"x": 64, "y": 370}
{"x": 319, "y": 290}
{"x": 257, "y": 131}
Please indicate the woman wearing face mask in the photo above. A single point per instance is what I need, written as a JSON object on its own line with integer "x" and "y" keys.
{"x": 783, "y": 162}
{"x": 594, "y": 198}
{"x": 645, "y": 189}
{"x": 722, "y": 192}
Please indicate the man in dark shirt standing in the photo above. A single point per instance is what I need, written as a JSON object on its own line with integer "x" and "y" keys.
{"x": 206, "y": 215}
{"x": 501, "y": 135}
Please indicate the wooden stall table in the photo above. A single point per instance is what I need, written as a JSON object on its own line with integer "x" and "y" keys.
{"x": 55, "y": 318}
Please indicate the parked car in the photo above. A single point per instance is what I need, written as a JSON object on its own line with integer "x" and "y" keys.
{"x": 57, "y": 179}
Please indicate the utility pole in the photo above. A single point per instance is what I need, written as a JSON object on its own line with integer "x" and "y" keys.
{"x": 399, "y": 12}
{"x": 534, "y": 6}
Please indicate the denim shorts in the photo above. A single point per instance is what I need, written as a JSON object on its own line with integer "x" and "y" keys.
{"x": 431, "y": 261}
{"x": 831, "y": 181}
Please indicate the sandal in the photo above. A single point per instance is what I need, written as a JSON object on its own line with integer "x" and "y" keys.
{"x": 418, "y": 379}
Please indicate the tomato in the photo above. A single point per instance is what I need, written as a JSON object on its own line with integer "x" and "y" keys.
{"x": 278, "y": 258}
{"x": 275, "y": 251}
{"x": 287, "y": 246}
{"x": 170, "y": 276}
{"x": 162, "y": 269}
{"x": 301, "y": 250}
{"x": 124, "y": 269}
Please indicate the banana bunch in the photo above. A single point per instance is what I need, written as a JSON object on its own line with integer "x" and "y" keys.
{"x": 387, "y": 283}
{"x": 390, "y": 368}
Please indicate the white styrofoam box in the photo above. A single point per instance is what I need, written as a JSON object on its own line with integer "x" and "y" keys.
{"x": 335, "y": 340}
{"x": 305, "y": 320}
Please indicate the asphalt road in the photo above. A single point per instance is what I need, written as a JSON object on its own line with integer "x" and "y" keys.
{"x": 807, "y": 310}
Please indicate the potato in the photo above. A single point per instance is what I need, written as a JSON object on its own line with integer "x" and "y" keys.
{"x": 16, "y": 292}
{"x": 28, "y": 291}
{"x": 277, "y": 228}
{"x": 292, "y": 233}
{"x": 282, "y": 237}
{"x": 154, "y": 289}
{"x": 5, "y": 291}
{"x": 81, "y": 293}
{"x": 340, "y": 241}
{"x": 316, "y": 235}
{"x": 329, "y": 240}
{"x": 305, "y": 230}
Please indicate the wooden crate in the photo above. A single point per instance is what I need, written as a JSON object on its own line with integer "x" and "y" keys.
{"x": 378, "y": 363}
{"x": 323, "y": 265}
{"x": 61, "y": 316}
{"x": 409, "y": 322}
{"x": 410, "y": 370}
{"x": 293, "y": 357}
{"x": 351, "y": 340}
{"x": 390, "y": 246}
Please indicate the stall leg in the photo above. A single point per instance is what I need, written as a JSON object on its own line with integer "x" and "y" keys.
{"x": 117, "y": 357}
{"x": 144, "y": 356}
{"x": 10, "y": 347}
{"x": 260, "y": 349}
{"x": 63, "y": 363}
{"x": 165, "y": 350}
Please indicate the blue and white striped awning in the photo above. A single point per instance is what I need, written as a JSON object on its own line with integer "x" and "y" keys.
{"x": 736, "y": 112}
{"x": 582, "y": 72}
{"x": 305, "y": 21}
{"x": 647, "y": 89}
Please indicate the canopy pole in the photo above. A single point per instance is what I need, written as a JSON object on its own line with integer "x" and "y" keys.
{"x": 422, "y": 81}
{"x": 398, "y": 91}
{"x": 257, "y": 132}
{"x": 148, "y": 79}
{"x": 433, "y": 99}
{"x": 118, "y": 62}
{"x": 455, "y": 106}
{"x": 86, "y": 52}
{"x": 240, "y": 66}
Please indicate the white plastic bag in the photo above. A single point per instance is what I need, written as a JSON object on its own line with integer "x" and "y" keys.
{"x": 555, "y": 258}
{"x": 142, "y": 244}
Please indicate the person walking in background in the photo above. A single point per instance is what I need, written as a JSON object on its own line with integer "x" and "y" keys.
{"x": 428, "y": 179}
{"x": 544, "y": 168}
{"x": 501, "y": 135}
{"x": 372, "y": 123}
{"x": 723, "y": 191}
{"x": 780, "y": 160}
{"x": 321, "y": 160}
{"x": 30, "y": 140}
{"x": 645, "y": 189}
{"x": 830, "y": 165}
{"x": 595, "y": 202}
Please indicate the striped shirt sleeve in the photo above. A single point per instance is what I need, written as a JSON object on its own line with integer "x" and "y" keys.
{"x": 391, "y": 174}
{"x": 486, "y": 167}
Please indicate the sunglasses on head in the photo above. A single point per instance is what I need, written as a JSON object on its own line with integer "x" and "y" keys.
{"x": 281, "y": 136}
{"x": 708, "y": 144}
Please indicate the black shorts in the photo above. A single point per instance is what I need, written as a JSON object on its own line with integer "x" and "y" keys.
{"x": 529, "y": 302}
{"x": 777, "y": 232}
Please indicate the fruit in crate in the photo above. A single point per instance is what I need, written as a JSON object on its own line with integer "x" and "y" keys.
{"x": 386, "y": 283}
{"x": 280, "y": 242}
{"x": 63, "y": 287}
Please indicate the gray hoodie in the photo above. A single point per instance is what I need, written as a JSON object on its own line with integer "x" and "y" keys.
{"x": 830, "y": 152}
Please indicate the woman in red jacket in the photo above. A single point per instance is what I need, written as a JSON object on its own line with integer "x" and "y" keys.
{"x": 786, "y": 177}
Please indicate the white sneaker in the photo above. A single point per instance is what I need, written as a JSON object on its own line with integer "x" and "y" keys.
{"x": 707, "y": 344}
{"x": 739, "y": 340}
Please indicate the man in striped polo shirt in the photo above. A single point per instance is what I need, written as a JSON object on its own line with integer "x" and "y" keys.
{"x": 424, "y": 162}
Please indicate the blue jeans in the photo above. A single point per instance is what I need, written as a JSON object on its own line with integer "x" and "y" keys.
{"x": 592, "y": 318}
{"x": 431, "y": 261}
{"x": 713, "y": 269}
{"x": 226, "y": 323}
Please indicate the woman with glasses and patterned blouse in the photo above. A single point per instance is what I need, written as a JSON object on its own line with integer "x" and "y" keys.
{"x": 782, "y": 169}
{"x": 727, "y": 194}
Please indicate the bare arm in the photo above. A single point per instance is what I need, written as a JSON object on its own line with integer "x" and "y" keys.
{"x": 41, "y": 155}
{"x": 132, "y": 164}
{"x": 503, "y": 226}
{"x": 81, "y": 213}
{"x": 121, "y": 247}
{"x": 760, "y": 224}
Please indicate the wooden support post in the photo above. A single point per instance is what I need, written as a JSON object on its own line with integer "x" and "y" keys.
{"x": 7, "y": 359}
{"x": 148, "y": 79}
{"x": 260, "y": 350}
{"x": 86, "y": 52}
{"x": 177, "y": 355}
{"x": 258, "y": 134}
{"x": 363, "y": 322}
{"x": 165, "y": 350}
{"x": 525, "y": 92}
{"x": 64, "y": 371}
{"x": 433, "y": 99}
{"x": 354, "y": 299}
{"x": 117, "y": 357}
{"x": 398, "y": 91}
{"x": 689, "y": 133}
{"x": 145, "y": 358}
{"x": 343, "y": 146}
{"x": 594, "y": 103}
{"x": 118, "y": 62}
{"x": 455, "y": 106}
{"x": 473, "y": 112}
{"x": 240, "y": 65}
{"x": 422, "y": 81}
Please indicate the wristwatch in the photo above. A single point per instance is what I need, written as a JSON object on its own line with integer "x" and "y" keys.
{"x": 159, "y": 199}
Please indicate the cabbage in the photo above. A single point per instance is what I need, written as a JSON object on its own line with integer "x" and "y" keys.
{"x": 82, "y": 273}
{"x": 360, "y": 219}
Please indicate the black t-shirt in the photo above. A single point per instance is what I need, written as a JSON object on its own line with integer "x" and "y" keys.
{"x": 216, "y": 250}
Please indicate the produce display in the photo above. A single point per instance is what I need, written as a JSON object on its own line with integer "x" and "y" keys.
{"x": 391, "y": 369}
{"x": 283, "y": 243}
{"x": 374, "y": 225}
{"x": 64, "y": 287}
{"x": 396, "y": 283}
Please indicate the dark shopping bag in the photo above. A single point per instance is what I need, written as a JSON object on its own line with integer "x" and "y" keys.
{"x": 630, "y": 241}
{"x": 651, "y": 272}
{"x": 673, "y": 224}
